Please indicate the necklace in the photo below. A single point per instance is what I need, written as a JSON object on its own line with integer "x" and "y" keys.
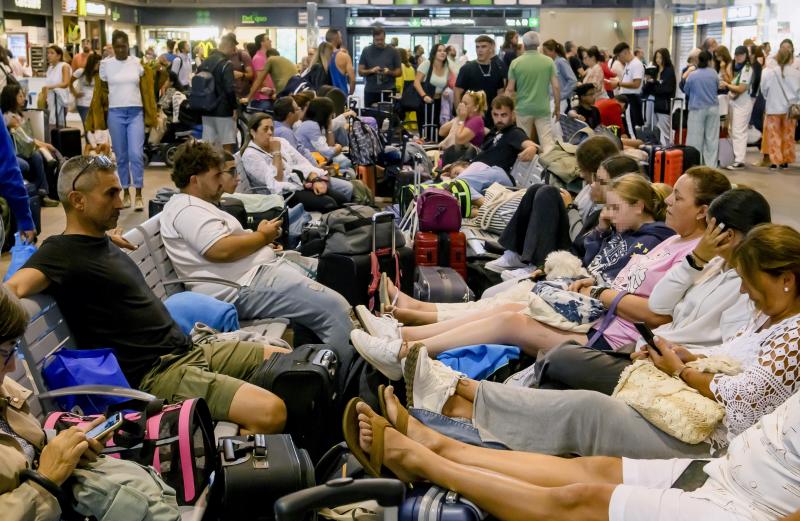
{"x": 488, "y": 73}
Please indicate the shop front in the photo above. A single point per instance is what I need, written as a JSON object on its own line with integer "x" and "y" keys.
{"x": 125, "y": 18}
{"x": 83, "y": 19}
{"x": 29, "y": 28}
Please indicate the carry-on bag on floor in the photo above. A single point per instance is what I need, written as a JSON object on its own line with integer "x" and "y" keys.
{"x": 648, "y": 133}
{"x": 438, "y": 284}
{"x": 66, "y": 140}
{"x": 725, "y": 155}
{"x": 448, "y": 249}
{"x": 254, "y": 472}
{"x": 438, "y": 211}
{"x": 432, "y": 503}
{"x": 667, "y": 165}
{"x": 301, "y": 505}
{"x": 305, "y": 379}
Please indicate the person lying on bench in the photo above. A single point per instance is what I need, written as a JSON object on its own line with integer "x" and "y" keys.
{"x": 107, "y": 303}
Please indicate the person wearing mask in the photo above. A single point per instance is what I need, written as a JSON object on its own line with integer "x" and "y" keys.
{"x": 317, "y": 74}
{"x": 79, "y": 60}
{"x": 182, "y": 64}
{"x": 566, "y": 78}
{"x": 343, "y": 75}
{"x": 85, "y": 78}
{"x": 742, "y": 90}
{"x": 661, "y": 88}
{"x": 703, "y": 125}
{"x": 379, "y": 65}
{"x": 12, "y": 189}
{"x": 780, "y": 86}
{"x": 30, "y": 151}
{"x": 438, "y": 78}
{"x": 486, "y": 73}
{"x": 594, "y": 71}
{"x": 571, "y": 51}
{"x": 128, "y": 91}
{"x": 56, "y": 86}
{"x": 630, "y": 83}
{"x": 219, "y": 126}
{"x": 510, "y": 47}
{"x": 533, "y": 76}
{"x": 467, "y": 126}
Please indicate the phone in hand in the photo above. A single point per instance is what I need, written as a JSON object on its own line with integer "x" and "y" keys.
{"x": 648, "y": 336}
{"x": 110, "y": 425}
{"x": 285, "y": 211}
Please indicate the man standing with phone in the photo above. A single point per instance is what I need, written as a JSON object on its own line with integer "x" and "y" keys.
{"x": 205, "y": 241}
{"x": 379, "y": 65}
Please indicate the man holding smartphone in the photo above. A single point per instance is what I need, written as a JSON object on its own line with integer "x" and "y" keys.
{"x": 204, "y": 241}
{"x": 379, "y": 65}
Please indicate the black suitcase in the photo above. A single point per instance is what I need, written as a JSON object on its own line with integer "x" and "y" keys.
{"x": 67, "y": 141}
{"x": 350, "y": 275}
{"x": 440, "y": 284}
{"x": 254, "y": 472}
{"x": 305, "y": 379}
{"x": 479, "y": 279}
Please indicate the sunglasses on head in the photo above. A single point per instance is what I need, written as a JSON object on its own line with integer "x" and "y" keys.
{"x": 96, "y": 161}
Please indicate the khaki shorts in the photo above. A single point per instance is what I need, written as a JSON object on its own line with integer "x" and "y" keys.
{"x": 213, "y": 371}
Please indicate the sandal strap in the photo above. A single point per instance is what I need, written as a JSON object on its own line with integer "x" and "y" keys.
{"x": 402, "y": 419}
{"x": 379, "y": 424}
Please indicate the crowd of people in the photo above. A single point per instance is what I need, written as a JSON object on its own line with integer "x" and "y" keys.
{"x": 584, "y": 266}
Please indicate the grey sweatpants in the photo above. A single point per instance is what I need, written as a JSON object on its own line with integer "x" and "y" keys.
{"x": 584, "y": 423}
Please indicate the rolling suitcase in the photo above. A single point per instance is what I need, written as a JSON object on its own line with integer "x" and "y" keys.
{"x": 725, "y": 155}
{"x": 301, "y": 505}
{"x": 447, "y": 249}
{"x": 255, "y": 471}
{"x": 430, "y": 130}
{"x": 438, "y": 284}
{"x": 430, "y": 502}
{"x": 667, "y": 165}
{"x": 66, "y": 140}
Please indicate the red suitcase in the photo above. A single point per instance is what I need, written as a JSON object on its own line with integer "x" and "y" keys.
{"x": 668, "y": 166}
{"x": 441, "y": 249}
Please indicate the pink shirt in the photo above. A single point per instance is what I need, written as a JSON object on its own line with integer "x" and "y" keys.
{"x": 476, "y": 125}
{"x": 640, "y": 276}
{"x": 259, "y": 62}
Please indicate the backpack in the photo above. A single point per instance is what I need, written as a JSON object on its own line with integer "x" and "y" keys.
{"x": 295, "y": 85}
{"x": 365, "y": 143}
{"x": 438, "y": 211}
{"x": 349, "y": 231}
{"x": 176, "y": 440}
{"x": 458, "y": 187}
{"x": 204, "y": 97}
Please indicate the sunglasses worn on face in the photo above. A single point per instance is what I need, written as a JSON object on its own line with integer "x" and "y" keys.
{"x": 96, "y": 161}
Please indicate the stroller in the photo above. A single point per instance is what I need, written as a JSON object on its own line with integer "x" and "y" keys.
{"x": 188, "y": 126}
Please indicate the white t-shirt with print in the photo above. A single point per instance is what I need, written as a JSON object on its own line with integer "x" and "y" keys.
{"x": 189, "y": 228}
{"x": 743, "y": 77}
{"x": 634, "y": 70}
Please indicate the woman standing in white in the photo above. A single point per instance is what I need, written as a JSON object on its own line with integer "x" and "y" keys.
{"x": 742, "y": 90}
{"x": 56, "y": 85}
{"x": 125, "y": 121}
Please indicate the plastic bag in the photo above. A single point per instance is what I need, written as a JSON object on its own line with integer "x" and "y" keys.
{"x": 20, "y": 253}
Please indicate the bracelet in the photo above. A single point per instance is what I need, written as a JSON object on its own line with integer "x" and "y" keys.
{"x": 46, "y": 483}
{"x": 677, "y": 374}
{"x": 597, "y": 291}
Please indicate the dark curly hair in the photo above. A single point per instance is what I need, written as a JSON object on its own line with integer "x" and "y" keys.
{"x": 8, "y": 98}
{"x": 13, "y": 317}
{"x": 195, "y": 158}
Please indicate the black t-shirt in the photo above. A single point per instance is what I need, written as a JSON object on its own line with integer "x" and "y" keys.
{"x": 575, "y": 64}
{"x": 373, "y": 56}
{"x": 501, "y": 148}
{"x": 591, "y": 114}
{"x": 489, "y": 78}
{"x": 107, "y": 303}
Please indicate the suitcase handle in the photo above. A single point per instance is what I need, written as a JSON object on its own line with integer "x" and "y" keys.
{"x": 382, "y": 217}
{"x": 387, "y": 492}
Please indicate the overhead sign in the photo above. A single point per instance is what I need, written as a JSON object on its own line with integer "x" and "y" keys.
{"x": 742, "y": 12}
{"x": 710, "y": 16}
{"x": 523, "y": 22}
{"x": 28, "y": 4}
{"x": 641, "y": 23}
{"x": 323, "y": 18}
{"x": 253, "y": 19}
{"x": 95, "y": 9}
{"x": 683, "y": 19}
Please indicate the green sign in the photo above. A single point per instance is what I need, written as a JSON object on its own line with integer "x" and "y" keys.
{"x": 533, "y": 22}
{"x": 203, "y": 17}
{"x": 415, "y": 22}
{"x": 253, "y": 19}
{"x": 115, "y": 14}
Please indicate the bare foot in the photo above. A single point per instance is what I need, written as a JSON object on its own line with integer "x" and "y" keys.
{"x": 402, "y": 300}
{"x": 407, "y": 317}
{"x": 399, "y": 452}
{"x": 417, "y": 430}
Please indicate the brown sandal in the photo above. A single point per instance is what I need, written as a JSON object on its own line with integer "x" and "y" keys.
{"x": 372, "y": 462}
{"x": 402, "y": 413}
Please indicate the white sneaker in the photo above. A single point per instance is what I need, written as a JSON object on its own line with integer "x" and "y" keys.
{"x": 382, "y": 327}
{"x": 429, "y": 383}
{"x": 381, "y": 353}
{"x": 519, "y": 273}
{"x": 508, "y": 261}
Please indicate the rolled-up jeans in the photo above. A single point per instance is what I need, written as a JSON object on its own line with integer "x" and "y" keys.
{"x": 281, "y": 289}
{"x": 703, "y": 133}
{"x": 126, "y": 126}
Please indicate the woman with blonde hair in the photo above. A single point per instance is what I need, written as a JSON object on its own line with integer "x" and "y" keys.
{"x": 467, "y": 126}
{"x": 779, "y": 86}
{"x": 317, "y": 73}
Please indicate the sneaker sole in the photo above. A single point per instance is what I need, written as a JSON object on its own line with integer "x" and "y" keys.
{"x": 371, "y": 361}
{"x": 360, "y": 310}
{"x": 409, "y": 370}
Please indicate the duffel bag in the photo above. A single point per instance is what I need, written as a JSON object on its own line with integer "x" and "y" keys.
{"x": 438, "y": 211}
{"x": 500, "y": 205}
{"x": 177, "y": 440}
{"x": 349, "y": 231}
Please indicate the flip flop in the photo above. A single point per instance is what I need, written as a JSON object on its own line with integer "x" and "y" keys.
{"x": 383, "y": 292}
{"x": 402, "y": 413}
{"x": 372, "y": 462}
{"x": 409, "y": 370}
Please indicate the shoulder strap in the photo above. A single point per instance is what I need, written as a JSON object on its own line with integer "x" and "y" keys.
{"x": 780, "y": 84}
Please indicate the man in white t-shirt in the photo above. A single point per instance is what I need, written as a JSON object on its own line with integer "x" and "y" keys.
{"x": 182, "y": 64}
{"x": 630, "y": 84}
{"x": 204, "y": 241}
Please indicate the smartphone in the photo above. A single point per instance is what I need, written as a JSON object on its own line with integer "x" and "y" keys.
{"x": 285, "y": 211}
{"x": 643, "y": 330}
{"x": 110, "y": 425}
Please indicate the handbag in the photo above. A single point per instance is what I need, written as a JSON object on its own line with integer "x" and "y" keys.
{"x": 411, "y": 100}
{"x": 668, "y": 403}
{"x": 20, "y": 253}
{"x": 794, "y": 108}
{"x": 24, "y": 143}
{"x": 500, "y": 205}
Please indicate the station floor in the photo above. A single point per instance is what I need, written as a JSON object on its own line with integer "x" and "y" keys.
{"x": 782, "y": 190}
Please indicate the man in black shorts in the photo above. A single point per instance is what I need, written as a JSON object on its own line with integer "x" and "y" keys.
{"x": 107, "y": 303}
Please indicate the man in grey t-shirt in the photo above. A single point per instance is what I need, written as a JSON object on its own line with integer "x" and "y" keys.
{"x": 379, "y": 65}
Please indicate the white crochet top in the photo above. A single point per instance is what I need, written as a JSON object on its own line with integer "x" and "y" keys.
{"x": 766, "y": 382}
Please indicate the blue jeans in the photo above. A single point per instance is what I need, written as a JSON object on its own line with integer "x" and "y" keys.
{"x": 126, "y": 126}
{"x": 264, "y": 105}
{"x": 83, "y": 112}
{"x": 452, "y": 428}
{"x": 703, "y": 133}
{"x": 33, "y": 171}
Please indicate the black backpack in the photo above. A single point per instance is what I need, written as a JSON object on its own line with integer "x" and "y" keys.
{"x": 204, "y": 96}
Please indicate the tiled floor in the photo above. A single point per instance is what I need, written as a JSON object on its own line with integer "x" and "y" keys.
{"x": 782, "y": 190}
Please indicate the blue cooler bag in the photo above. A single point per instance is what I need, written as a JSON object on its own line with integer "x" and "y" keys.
{"x": 71, "y": 367}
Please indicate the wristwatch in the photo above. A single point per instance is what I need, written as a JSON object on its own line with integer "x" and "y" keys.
{"x": 693, "y": 262}
{"x": 596, "y": 291}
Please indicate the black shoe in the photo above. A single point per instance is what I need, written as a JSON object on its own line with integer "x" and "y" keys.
{"x": 784, "y": 166}
{"x": 773, "y": 167}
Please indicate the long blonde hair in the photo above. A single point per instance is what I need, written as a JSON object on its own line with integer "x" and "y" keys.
{"x": 322, "y": 56}
{"x": 633, "y": 188}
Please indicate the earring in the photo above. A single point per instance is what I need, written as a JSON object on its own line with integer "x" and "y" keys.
{"x": 786, "y": 289}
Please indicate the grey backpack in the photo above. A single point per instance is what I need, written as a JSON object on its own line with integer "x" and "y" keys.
{"x": 349, "y": 231}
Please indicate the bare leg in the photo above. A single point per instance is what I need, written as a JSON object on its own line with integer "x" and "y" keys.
{"x": 413, "y": 317}
{"x": 502, "y": 496}
{"x": 411, "y": 334}
{"x": 536, "y": 469}
{"x": 257, "y": 410}
{"x": 407, "y": 301}
{"x": 508, "y": 328}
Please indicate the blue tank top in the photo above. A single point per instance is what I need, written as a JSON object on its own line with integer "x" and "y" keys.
{"x": 338, "y": 79}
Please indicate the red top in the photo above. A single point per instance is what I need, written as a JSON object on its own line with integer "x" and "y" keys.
{"x": 610, "y": 113}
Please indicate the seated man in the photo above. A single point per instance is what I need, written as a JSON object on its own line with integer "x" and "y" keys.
{"x": 586, "y": 111}
{"x": 204, "y": 241}
{"x": 106, "y": 302}
{"x": 501, "y": 148}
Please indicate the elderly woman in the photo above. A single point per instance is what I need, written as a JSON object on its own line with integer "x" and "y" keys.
{"x": 34, "y": 470}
